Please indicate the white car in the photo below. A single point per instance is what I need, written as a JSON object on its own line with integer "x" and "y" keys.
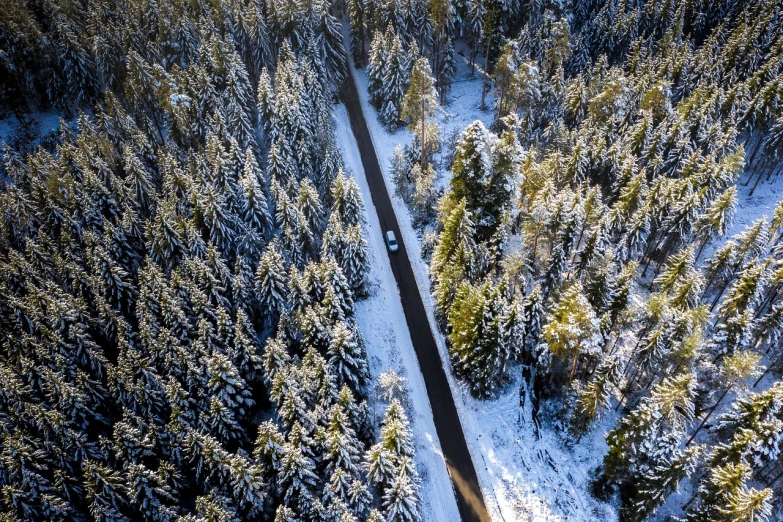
{"x": 391, "y": 241}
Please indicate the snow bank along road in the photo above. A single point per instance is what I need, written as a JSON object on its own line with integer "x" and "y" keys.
{"x": 447, "y": 424}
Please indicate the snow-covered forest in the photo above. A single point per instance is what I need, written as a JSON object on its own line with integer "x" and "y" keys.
{"x": 580, "y": 235}
{"x": 199, "y": 321}
{"x": 179, "y": 266}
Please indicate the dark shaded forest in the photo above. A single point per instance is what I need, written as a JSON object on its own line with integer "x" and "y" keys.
{"x": 178, "y": 268}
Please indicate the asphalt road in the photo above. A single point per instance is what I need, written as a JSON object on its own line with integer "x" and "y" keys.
{"x": 452, "y": 439}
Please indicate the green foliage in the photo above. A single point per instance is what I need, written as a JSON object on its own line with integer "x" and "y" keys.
{"x": 475, "y": 326}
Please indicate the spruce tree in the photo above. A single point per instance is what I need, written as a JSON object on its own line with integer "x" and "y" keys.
{"x": 375, "y": 67}
{"x": 475, "y": 337}
{"x": 395, "y": 78}
{"x": 271, "y": 288}
{"x": 453, "y": 256}
{"x": 347, "y": 358}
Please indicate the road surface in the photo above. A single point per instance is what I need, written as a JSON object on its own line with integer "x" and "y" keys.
{"x": 447, "y": 424}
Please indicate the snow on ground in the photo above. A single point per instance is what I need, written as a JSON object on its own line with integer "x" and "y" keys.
{"x": 40, "y": 123}
{"x": 749, "y": 208}
{"x": 522, "y": 478}
{"x": 382, "y": 323}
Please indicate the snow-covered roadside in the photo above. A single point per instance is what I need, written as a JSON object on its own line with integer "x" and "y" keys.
{"x": 522, "y": 478}
{"x": 382, "y": 323}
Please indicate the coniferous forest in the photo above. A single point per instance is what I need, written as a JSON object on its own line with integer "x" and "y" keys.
{"x": 582, "y": 235}
{"x": 180, "y": 262}
{"x": 183, "y": 257}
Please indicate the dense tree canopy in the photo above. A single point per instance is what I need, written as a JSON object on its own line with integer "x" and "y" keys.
{"x": 179, "y": 264}
{"x": 597, "y": 203}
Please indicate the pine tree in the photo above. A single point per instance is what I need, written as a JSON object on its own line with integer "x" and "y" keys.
{"x": 725, "y": 495}
{"x": 572, "y": 330}
{"x": 715, "y": 219}
{"x": 356, "y": 260}
{"x": 244, "y": 352}
{"x": 375, "y": 67}
{"x": 401, "y": 501}
{"x": 737, "y": 309}
{"x": 379, "y": 464}
{"x": 140, "y": 253}
{"x": 226, "y": 385}
{"x": 453, "y": 257}
{"x": 255, "y": 210}
{"x": 216, "y": 508}
{"x": 342, "y": 456}
{"x": 633, "y": 443}
{"x": 298, "y": 480}
{"x": 218, "y": 221}
{"x": 445, "y": 66}
{"x": 347, "y": 200}
{"x": 419, "y": 105}
{"x": 105, "y": 491}
{"x": 147, "y": 492}
{"x": 471, "y": 164}
{"x": 660, "y": 481}
{"x": 483, "y": 170}
{"x": 424, "y": 197}
{"x": 593, "y": 397}
{"x": 735, "y": 370}
{"x": 390, "y": 467}
{"x": 239, "y": 102}
{"x": 309, "y": 205}
{"x": 533, "y": 307}
{"x": 268, "y": 447}
{"x": 357, "y": 13}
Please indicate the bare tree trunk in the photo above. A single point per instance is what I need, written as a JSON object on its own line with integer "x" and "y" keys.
{"x": 573, "y": 366}
{"x": 776, "y": 172}
{"x": 693, "y": 497}
{"x": 652, "y": 244}
{"x": 718, "y": 296}
{"x": 709, "y": 414}
{"x": 777, "y": 477}
{"x": 766, "y": 371}
{"x": 421, "y": 160}
{"x": 768, "y": 301}
{"x": 486, "y": 62}
{"x": 576, "y": 245}
{"x": 756, "y": 150}
{"x": 484, "y": 78}
{"x": 761, "y": 174}
{"x": 769, "y": 466}
{"x": 627, "y": 388}
{"x": 701, "y": 249}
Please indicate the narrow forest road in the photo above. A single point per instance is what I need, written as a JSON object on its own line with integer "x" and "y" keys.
{"x": 447, "y": 424}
